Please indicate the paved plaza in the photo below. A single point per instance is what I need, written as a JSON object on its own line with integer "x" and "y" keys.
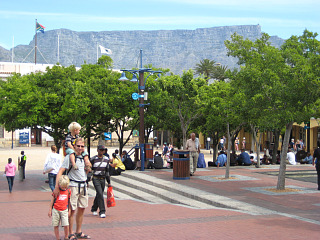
{"x": 253, "y": 210}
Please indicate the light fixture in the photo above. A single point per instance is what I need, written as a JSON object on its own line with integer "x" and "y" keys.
{"x": 123, "y": 77}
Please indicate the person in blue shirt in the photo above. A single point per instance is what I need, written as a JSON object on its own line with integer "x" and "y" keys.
{"x": 221, "y": 160}
{"x": 244, "y": 158}
{"x": 308, "y": 159}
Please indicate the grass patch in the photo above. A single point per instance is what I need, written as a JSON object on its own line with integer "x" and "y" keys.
{"x": 282, "y": 191}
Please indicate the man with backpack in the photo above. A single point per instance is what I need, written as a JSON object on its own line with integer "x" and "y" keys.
{"x": 78, "y": 186}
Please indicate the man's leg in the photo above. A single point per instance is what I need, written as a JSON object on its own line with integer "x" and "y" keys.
{"x": 79, "y": 219}
{"x": 71, "y": 221}
{"x": 95, "y": 205}
{"x": 99, "y": 185}
{"x": 318, "y": 174}
{"x": 195, "y": 161}
{"x": 191, "y": 163}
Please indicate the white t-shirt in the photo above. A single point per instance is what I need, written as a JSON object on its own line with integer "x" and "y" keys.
{"x": 53, "y": 160}
{"x": 291, "y": 158}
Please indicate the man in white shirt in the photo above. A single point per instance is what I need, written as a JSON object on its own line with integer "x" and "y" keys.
{"x": 291, "y": 157}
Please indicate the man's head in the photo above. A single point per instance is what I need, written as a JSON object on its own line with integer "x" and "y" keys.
{"x": 79, "y": 146}
{"x": 101, "y": 150}
{"x": 193, "y": 136}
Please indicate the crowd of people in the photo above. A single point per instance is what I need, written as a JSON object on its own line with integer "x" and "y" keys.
{"x": 69, "y": 178}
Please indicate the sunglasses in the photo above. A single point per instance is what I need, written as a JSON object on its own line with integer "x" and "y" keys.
{"x": 80, "y": 146}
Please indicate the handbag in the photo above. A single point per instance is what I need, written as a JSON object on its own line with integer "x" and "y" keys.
{"x": 110, "y": 198}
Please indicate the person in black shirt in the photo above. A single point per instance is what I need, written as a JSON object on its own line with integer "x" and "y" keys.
{"x": 100, "y": 170}
{"x": 316, "y": 160}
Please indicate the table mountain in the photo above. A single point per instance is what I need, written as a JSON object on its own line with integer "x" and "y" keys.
{"x": 177, "y": 50}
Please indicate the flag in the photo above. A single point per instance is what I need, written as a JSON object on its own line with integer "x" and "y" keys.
{"x": 105, "y": 50}
{"x": 40, "y": 27}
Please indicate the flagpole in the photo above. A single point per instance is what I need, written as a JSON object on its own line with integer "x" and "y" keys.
{"x": 97, "y": 52}
{"x": 58, "y": 48}
{"x": 12, "y": 48}
{"x": 35, "y": 49}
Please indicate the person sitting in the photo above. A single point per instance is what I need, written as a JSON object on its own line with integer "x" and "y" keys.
{"x": 291, "y": 158}
{"x": 157, "y": 162}
{"x": 253, "y": 157}
{"x": 308, "y": 159}
{"x": 116, "y": 165}
{"x": 244, "y": 158}
{"x": 265, "y": 160}
{"x": 127, "y": 161}
{"x": 221, "y": 160}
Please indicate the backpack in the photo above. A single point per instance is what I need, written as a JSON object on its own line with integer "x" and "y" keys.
{"x": 201, "y": 161}
{"x": 128, "y": 164}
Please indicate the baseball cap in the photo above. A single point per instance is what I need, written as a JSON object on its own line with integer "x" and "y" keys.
{"x": 101, "y": 147}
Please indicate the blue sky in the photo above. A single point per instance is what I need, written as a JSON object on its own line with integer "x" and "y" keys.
{"x": 276, "y": 17}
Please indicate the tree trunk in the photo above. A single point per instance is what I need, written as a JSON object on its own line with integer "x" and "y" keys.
{"x": 282, "y": 170}
{"x": 228, "y": 151}
{"x": 88, "y": 139}
{"x": 275, "y": 146}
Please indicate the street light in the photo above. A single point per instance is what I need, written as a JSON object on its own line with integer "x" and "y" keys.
{"x": 141, "y": 97}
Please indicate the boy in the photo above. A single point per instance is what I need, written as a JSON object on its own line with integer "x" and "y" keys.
{"x": 74, "y": 130}
{"x": 59, "y": 208}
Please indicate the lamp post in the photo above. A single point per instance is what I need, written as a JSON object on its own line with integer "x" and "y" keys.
{"x": 141, "y": 97}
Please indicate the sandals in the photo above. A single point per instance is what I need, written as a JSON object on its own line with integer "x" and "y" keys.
{"x": 80, "y": 235}
{"x": 72, "y": 236}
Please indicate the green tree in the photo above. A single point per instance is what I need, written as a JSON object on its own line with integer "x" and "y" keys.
{"x": 205, "y": 67}
{"x": 272, "y": 79}
{"x": 182, "y": 95}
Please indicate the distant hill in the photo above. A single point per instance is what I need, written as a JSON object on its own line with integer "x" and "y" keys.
{"x": 177, "y": 50}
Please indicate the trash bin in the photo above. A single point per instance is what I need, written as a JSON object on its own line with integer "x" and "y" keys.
{"x": 181, "y": 165}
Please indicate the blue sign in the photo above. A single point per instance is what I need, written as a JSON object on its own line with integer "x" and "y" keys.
{"x": 107, "y": 136}
{"x": 24, "y": 137}
{"x": 135, "y": 96}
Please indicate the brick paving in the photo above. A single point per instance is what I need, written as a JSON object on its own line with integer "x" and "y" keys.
{"x": 296, "y": 216}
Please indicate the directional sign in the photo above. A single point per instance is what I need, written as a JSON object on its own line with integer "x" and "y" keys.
{"x": 135, "y": 96}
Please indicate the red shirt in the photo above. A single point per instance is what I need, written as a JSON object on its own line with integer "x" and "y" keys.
{"x": 61, "y": 203}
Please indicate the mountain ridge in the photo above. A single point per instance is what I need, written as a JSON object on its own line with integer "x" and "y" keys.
{"x": 177, "y": 50}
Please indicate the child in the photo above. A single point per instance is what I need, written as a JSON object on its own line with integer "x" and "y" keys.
{"x": 59, "y": 207}
{"x": 74, "y": 130}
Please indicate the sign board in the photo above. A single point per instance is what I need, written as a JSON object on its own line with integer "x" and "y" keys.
{"x": 24, "y": 137}
{"x": 135, "y": 96}
{"x": 107, "y": 136}
{"x": 135, "y": 133}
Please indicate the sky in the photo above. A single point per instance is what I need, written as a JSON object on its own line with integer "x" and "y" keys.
{"x": 283, "y": 18}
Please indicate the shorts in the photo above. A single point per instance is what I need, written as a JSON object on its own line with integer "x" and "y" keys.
{"x": 78, "y": 200}
{"x": 57, "y": 215}
{"x": 70, "y": 151}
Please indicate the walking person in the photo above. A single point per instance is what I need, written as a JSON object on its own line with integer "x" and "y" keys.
{"x": 100, "y": 170}
{"x": 316, "y": 161}
{"x": 52, "y": 166}
{"x": 193, "y": 146}
{"x": 10, "y": 171}
{"x": 78, "y": 186}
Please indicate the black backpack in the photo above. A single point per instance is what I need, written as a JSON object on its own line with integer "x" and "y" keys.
{"x": 128, "y": 163}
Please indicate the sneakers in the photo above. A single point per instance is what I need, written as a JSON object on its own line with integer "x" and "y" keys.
{"x": 102, "y": 215}
{"x": 94, "y": 213}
